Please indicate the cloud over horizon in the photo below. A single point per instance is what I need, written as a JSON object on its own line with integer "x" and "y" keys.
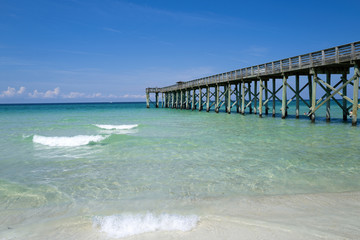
{"x": 56, "y": 93}
{"x": 11, "y": 92}
{"x": 48, "y": 94}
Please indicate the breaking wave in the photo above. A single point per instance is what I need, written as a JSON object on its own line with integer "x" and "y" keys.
{"x": 119, "y": 226}
{"x": 74, "y": 141}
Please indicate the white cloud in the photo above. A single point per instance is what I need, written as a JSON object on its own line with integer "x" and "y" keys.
{"x": 74, "y": 95}
{"x": 36, "y": 94}
{"x": 133, "y": 96}
{"x": 55, "y": 93}
{"x": 95, "y": 95}
{"x": 52, "y": 94}
{"x": 11, "y": 92}
{"x": 48, "y": 94}
{"x": 21, "y": 90}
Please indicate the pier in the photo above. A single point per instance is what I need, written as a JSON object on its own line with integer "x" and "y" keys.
{"x": 248, "y": 89}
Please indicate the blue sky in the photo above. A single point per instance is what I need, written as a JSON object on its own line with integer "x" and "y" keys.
{"x": 111, "y": 50}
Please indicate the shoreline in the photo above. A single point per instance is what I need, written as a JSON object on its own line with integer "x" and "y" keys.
{"x": 300, "y": 216}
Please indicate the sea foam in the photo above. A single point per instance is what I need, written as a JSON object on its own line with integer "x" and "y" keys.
{"x": 116, "y": 127}
{"x": 119, "y": 226}
{"x": 74, "y": 141}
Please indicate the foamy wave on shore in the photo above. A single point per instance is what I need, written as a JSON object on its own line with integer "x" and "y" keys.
{"x": 116, "y": 127}
{"x": 119, "y": 226}
{"x": 74, "y": 141}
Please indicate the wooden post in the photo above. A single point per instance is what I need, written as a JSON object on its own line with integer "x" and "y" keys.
{"x": 189, "y": 97}
{"x": 147, "y": 100}
{"x": 208, "y": 99}
{"x": 243, "y": 98}
{"x": 226, "y": 97}
{"x": 273, "y": 97}
{"x": 217, "y": 98}
{"x": 200, "y": 99}
{"x": 157, "y": 99}
{"x": 166, "y": 100}
{"x": 328, "y": 81}
{"x": 313, "y": 97}
{"x": 355, "y": 94}
{"x": 310, "y": 89}
{"x": 177, "y": 99}
{"x": 238, "y": 97}
{"x": 260, "y": 97}
{"x": 297, "y": 92}
{"x": 229, "y": 99}
{"x": 255, "y": 97}
{"x": 162, "y": 100}
{"x": 249, "y": 94}
{"x": 172, "y": 99}
{"x": 266, "y": 98}
{"x": 284, "y": 98}
{"x": 181, "y": 99}
{"x": 193, "y": 100}
{"x": 344, "y": 91}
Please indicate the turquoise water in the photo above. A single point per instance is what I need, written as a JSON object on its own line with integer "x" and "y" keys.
{"x": 91, "y": 162}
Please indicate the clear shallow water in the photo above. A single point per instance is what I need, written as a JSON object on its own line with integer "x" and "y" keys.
{"x": 92, "y": 161}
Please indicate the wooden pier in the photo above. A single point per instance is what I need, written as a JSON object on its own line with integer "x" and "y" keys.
{"x": 248, "y": 88}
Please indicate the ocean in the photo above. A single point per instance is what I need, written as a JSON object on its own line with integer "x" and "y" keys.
{"x": 122, "y": 171}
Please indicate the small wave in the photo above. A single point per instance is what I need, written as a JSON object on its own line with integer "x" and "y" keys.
{"x": 116, "y": 127}
{"x": 74, "y": 141}
{"x": 119, "y": 226}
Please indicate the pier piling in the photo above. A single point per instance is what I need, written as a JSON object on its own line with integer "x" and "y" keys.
{"x": 251, "y": 90}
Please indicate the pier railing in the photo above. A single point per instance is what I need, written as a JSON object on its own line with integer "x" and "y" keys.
{"x": 326, "y": 57}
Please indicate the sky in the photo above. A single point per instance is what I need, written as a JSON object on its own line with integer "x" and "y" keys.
{"x": 111, "y": 50}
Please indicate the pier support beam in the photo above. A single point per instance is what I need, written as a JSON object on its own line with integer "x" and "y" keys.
{"x": 157, "y": 99}
{"x": 193, "y": 100}
{"x": 266, "y": 97}
{"x": 242, "y": 98}
{"x": 238, "y": 97}
{"x": 228, "y": 103}
{"x": 217, "y": 98}
{"x": 355, "y": 94}
{"x": 172, "y": 99}
{"x": 177, "y": 100}
{"x": 147, "y": 100}
{"x": 297, "y": 92}
{"x": 310, "y": 91}
{"x": 313, "y": 97}
{"x": 207, "y": 99}
{"x": 273, "y": 97}
{"x": 260, "y": 97}
{"x": 249, "y": 93}
{"x": 255, "y": 97}
{"x": 200, "y": 99}
{"x": 284, "y": 98}
{"x": 344, "y": 91}
{"x": 181, "y": 99}
{"x": 328, "y": 81}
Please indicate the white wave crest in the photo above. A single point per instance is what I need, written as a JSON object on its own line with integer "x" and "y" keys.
{"x": 119, "y": 226}
{"x": 116, "y": 127}
{"x": 74, "y": 141}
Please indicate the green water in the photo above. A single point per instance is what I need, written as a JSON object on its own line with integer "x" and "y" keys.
{"x": 172, "y": 156}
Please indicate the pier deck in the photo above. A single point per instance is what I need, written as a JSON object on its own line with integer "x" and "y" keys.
{"x": 250, "y": 85}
